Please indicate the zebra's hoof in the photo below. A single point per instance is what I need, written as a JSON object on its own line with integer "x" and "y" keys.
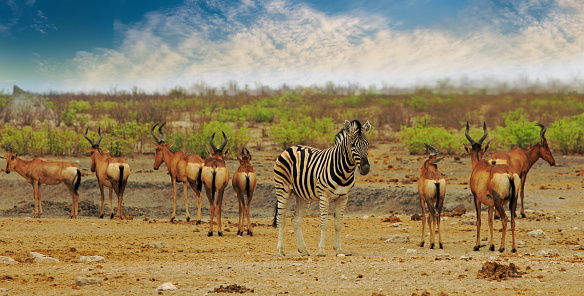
{"x": 198, "y": 222}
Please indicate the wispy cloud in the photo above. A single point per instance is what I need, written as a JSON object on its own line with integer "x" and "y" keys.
{"x": 281, "y": 42}
{"x": 41, "y": 24}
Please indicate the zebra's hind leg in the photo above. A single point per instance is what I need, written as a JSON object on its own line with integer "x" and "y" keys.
{"x": 340, "y": 205}
{"x": 301, "y": 206}
{"x": 280, "y": 216}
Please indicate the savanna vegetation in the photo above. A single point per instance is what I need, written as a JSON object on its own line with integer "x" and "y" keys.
{"x": 310, "y": 116}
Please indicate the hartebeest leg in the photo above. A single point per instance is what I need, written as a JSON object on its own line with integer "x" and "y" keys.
{"x": 74, "y": 199}
{"x": 491, "y": 219}
{"x": 431, "y": 222}
{"x": 478, "y": 211}
{"x": 247, "y": 208}
{"x": 199, "y": 201}
{"x": 111, "y": 199}
{"x": 438, "y": 214}
{"x": 121, "y": 199}
{"x": 218, "y": 209}
{"x": 37, "y": 200}
{"x": 522, "y": 196}
{"x": 185, "y": 190}
{"x": 501, "y": 210}
{"x": 211, "y": 210}
{"x": 240, "y": 202}
{"x": 173, "y": 200}
{"x": 102, "y": 199}
{"x": 422, "y": 203}
{"x": 340, "y": 205}
{"x": 301, "y": 206}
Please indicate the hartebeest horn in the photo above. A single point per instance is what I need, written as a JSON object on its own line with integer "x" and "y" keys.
{"x": 433, "y": 150}
{"x": 100, "y": 136}
{"x": 88, "y": 139}
{"x": 154, "y": 135}
{"x": 162, "y": 133}
{"x": 224, "y": 143}
{"x": 211, "y": 142}
{"x": 542, "y": 131}
{"x": 480, "y": 142}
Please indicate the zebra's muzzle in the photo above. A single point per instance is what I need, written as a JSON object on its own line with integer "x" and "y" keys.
{"x": 364, "y": 169}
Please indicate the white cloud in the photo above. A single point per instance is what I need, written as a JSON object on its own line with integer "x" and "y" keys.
{"x": 280, "y": 42}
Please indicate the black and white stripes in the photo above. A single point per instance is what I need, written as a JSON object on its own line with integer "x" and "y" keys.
{"x": 320, "y": 175}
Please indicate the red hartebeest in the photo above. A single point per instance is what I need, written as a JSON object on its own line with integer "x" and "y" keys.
{"x": 112, "y": 172}
{"x": 215, "y": 177}
{"x": 521, "y": 160}
{"x": 182, "y": 167}
{"x": 432, "y": 189}
{"x": 494, "y": 186}
{"x": 37, "y": 172}
{"x": 244, "y": 183}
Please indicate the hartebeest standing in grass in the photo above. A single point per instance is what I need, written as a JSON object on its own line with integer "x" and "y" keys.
{"x": 493, "y": 185}
{"x": 215, "y": 176}
{"x": 521, "y": 160}
{"x": 182, "y": 167}
{"x": 244, "y": 183}
{"x": 37, "y": 172}
{"x": 432, "y": 189}
{"x": 111, "y": 172}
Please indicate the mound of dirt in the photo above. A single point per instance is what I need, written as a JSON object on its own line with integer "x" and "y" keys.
{"x": 496, "y": 271}
{"x": 231, "y": 289}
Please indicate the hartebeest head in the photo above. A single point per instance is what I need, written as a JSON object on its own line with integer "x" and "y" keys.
{"x": 10, "y": 157}
{"x": 359, "y": 144}
{"x": 432, "y": 159}
{"x": 544, "y": 148}
{"x": 476, "y": 151}
{"x": 245, "y": 156}
{"x": 94, "y": 148}
{"x": 160, "y": 145}
{"x": 218, "y": 152}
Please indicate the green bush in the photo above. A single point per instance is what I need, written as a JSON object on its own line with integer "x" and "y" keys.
{"x": 517, "y": 132}
{"x": 304, "y": 131}
{"x": 566, "y": 134}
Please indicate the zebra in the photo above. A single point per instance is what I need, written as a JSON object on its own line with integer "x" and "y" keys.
{"x": 320, "y": 175}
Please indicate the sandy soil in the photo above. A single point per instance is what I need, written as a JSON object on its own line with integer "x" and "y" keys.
{"x": 198, "y": 265}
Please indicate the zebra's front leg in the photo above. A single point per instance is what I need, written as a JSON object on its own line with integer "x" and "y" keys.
{"x": 340, "y": 205}
{"x": 301, "y": 206}
{"x": 323, "y": 206}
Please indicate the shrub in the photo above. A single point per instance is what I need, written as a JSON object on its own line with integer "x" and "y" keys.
{"x": 517, "y": 132}
{"x": 567, "y": 133}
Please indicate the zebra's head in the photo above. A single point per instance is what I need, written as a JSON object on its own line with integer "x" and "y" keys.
{"x": 358, "y": 142}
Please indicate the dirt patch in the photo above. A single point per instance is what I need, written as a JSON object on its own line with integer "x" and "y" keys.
{"x": 494, "y": 271}
{"x": 232, "y": 289}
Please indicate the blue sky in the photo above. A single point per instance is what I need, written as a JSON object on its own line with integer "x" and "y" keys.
{"x": 77, "y": 45}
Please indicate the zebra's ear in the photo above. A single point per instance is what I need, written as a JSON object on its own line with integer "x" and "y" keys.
{"x": 366, "y": 127}
{"x": 347, "y": 127}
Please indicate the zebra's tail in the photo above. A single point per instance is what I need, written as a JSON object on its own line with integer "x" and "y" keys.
{"x": 275, "y": 221}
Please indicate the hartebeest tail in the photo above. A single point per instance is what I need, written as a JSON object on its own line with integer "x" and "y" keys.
{"x": 494, "y": 186}
{"x": 432, "y": 189}
{"x": 78, "y": 183}
{"x": 120, "y": 181}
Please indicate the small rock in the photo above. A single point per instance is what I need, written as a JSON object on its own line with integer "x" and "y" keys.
{"x": 537, "y": 233}
{"x": 83, "y": 281}
{"x": 578, "y": 247}
{"x": 341, "y": 255}
{"x": 442, "y": 257}
{"x": 157, "y": 245}
{"x": 520, "y": 244}
{"x": 7, "y": 260}
{"x": 343, "y": 277}
{"x": 548, "y": 252}
{"x": 40, "y": 258}
{"x": 399, "y": 238}
{"x": 397, "y": 224}
{"x": 416, "y": 217}
{"x": 411, "y": 251}
{"x": 529, "y": 211}
{"x": 469, "y": 222}
{"x": 366, "y": 217}
{"x": 443, "y": 218}
{"x": 91, "y": 259}
{"x": 166, "y": 287}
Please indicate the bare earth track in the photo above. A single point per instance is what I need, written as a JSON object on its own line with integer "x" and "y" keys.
{"x": 198, "y": 265}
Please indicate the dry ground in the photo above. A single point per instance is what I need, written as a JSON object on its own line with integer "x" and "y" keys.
{"x": 197, "y": 264}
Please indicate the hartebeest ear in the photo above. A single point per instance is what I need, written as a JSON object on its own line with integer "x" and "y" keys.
{"x": 226, "y": 151}
{"x": 486, "y": 147}
{"x": 466, "y": 148}
{"x": 2, "y": 157}
{"x": 170, "y": 144}
{"x": 208, "y": 152}
{"x": 89, "y": 150}
{"x": 104, "y": 151}
{"x": 238, "y": 158}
